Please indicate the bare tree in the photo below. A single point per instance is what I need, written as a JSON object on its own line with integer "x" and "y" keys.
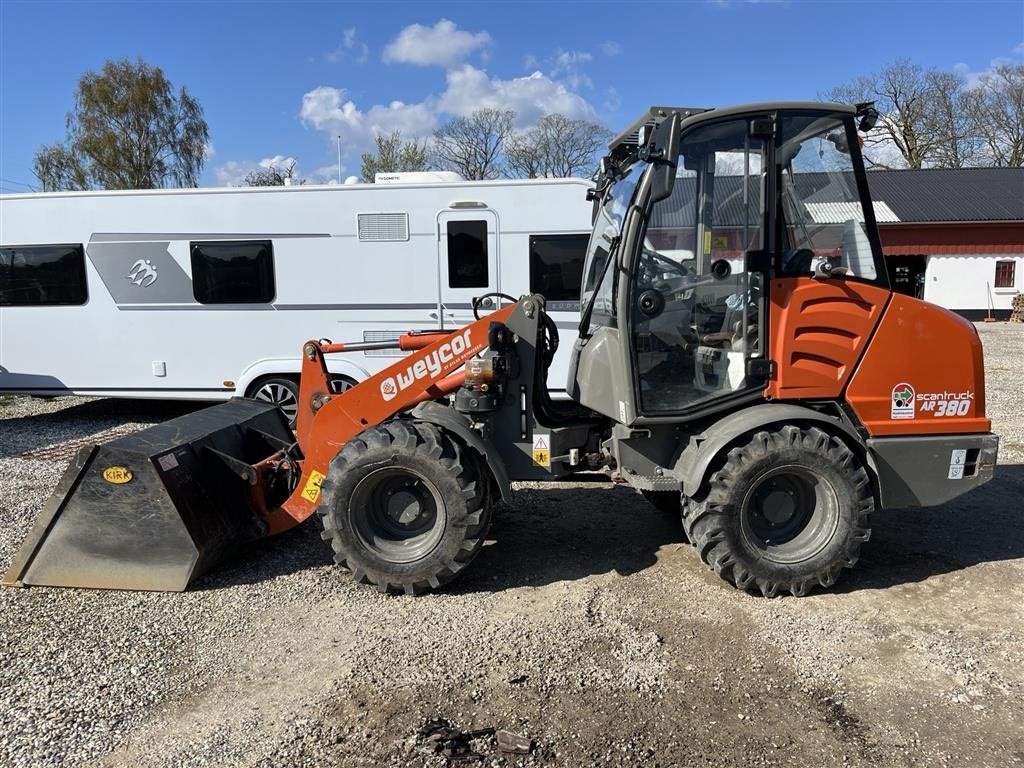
{"x": 956, "y": 144}
{"x": 473, "y": 146}
{"x": 910, "y": 101}
{"x": 272, "y": 176}
{"x": 394, "y": 157}
{"x": 995, "y": 112}
{"x": 128, "y": 130}
{"x": 557, "y": 147}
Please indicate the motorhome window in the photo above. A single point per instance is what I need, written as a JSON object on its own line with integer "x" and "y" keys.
{"x": 467, "y": 254}
{"x": 42, "y": 275}
{"x": 233, "y": 272}
{"x": 556, "y": 266}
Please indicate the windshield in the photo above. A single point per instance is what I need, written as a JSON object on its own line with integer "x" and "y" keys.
{"x": 607, "y": 226}
{"x": 824, "y": 218}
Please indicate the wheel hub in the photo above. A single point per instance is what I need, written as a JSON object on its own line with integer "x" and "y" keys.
{"x": 790, "y": 514}
{"x": 397, "y": 514}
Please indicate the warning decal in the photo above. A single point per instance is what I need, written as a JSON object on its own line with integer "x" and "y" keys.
{"x": 542, "y": 450}
{"x": 312, "y": 490}
{"x": 957, "y": 460}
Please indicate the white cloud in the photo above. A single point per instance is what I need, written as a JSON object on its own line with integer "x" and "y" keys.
{"x": 612, "y": 100}
{"x": 327, "y": 174}
{"x": 443, "y": 44}
{"x": 327, "y": 109}
{"x": 973, "y": 77}
{"x": 233, "y": 172}
{"x": 208, "y": 151}
{"x": 277, "y": 161}
{"x": 350, "y": 47}
{"x": 568, "y": 67}
{"x": 611, "y": 48}
{"x": 531, "y": 97}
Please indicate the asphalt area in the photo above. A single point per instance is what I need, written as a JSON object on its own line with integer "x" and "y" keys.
{"x": 586, "y": 624}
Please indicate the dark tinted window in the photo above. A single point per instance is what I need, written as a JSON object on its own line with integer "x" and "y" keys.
{"x": 1005, "y": 277}
{"x": 556, "y": 266}
{"x": 38, "y": 275}
{"x": 467, "y": 254}
{"x": 238, "y": 272}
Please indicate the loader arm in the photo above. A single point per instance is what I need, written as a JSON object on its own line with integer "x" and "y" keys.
{"x": 327, "y": 421}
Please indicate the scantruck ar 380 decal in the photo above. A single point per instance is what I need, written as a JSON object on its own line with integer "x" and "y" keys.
{"x": 906, "y": 402}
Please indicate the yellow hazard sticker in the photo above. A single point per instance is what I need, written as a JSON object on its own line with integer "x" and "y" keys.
{"x": 542, "y": 450}
{"x": 117, "y": 475}
{"x": 312, "y": 490}
{"x": 707, "y": 241}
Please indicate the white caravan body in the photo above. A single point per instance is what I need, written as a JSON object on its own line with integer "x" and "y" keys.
{"x": 206, "y": 293}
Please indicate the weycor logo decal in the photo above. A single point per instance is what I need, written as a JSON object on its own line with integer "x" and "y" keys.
{"x": 432, "y": 365}
{"x": 142, "y": 273}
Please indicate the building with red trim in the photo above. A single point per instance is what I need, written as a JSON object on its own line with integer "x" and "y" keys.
{"x": 954, "y": 237}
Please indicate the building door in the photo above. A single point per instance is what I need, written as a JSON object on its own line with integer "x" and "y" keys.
{"x": 467, "y": 264}
{"x": 906, "y": 274}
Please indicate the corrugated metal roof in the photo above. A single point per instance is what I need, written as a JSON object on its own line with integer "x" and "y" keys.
{"x": 909, "y": 196}
{"x": 837, "y": 213}
{"x": 952, "y": 194}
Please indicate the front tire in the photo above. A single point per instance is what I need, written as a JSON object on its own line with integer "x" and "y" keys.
{"x": 401, "y": 507}
{"x": 787, "y": 511}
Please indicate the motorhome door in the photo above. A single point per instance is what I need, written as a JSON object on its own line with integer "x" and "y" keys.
{"x": 467, "y": 263}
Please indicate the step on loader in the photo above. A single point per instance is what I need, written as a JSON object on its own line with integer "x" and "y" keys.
{"x": 740, "y": 359}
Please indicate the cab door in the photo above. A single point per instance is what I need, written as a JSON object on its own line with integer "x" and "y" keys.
{"x": 467, "y": 256}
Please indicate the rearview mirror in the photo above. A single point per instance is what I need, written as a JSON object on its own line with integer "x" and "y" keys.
{"x": 868, "y": 117}
{"x": 664, "y": 151}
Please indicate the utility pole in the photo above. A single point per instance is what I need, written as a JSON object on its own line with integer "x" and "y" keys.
{"x": 339, "y": 159}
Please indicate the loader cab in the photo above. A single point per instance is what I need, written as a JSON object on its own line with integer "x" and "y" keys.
{"x": 690, "y": 229}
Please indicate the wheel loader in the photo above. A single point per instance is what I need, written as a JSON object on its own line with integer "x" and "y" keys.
{"x": 740, "y": 360}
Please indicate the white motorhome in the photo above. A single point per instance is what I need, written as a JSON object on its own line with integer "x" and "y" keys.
{"x": 210, "y": 293}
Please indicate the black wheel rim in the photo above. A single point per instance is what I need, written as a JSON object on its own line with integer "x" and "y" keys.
{"x": 397, "y": 514}
{"x": 790, "y": 514}
{"x": 280, "y": 395}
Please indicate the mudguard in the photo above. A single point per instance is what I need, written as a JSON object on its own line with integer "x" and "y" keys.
{"x": 692, "y": 465}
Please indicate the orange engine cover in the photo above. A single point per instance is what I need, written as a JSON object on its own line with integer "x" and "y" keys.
{"x": 819, "y": 329}
{"x": 922, "y": 373}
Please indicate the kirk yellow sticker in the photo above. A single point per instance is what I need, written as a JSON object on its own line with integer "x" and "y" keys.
{"x": 312, "y": 490}
{"x": 117, "y": 475}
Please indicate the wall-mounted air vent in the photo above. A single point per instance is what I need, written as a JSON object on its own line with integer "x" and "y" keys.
{"x": 383, "y": 227}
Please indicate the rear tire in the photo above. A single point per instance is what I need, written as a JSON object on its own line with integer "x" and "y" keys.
{"x": 787, "y": 511}
{"x": 402, "y": 509}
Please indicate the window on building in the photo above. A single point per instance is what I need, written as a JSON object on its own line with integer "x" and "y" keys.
{"x": 233, "y": 272}
{"x": 42, "y": 275}
{"x": 556, "y": 266}
{"x": 1005, "y": 274}
{"x": 467, "y": 254}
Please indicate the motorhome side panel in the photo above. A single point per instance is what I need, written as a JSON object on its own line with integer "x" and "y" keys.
{"x": 348, "y": 263}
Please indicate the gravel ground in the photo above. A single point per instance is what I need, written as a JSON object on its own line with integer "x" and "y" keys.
{"x": 587, "y": 624}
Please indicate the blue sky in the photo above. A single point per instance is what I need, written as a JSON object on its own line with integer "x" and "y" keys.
{"x": 282, "y": 80}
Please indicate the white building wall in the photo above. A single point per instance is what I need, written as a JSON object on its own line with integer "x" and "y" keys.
{"x": 967, "y": 282}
